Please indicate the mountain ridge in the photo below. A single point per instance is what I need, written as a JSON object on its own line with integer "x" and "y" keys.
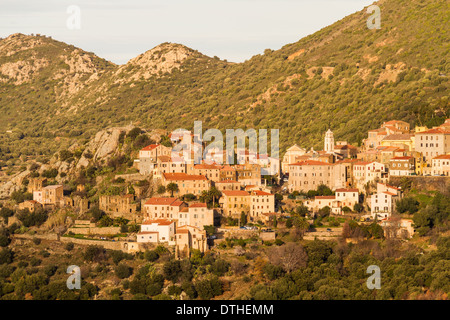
{"x": 344, "y": 77}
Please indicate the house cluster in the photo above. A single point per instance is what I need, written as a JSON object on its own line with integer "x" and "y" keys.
{"x": 175, "y": 222}
{"x": 50, "y": 197}
{"x": 392, "y": 150}
{"x": 349, "y": 171}
{"x": 242, "y": 187}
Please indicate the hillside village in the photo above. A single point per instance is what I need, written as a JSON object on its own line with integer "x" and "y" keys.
{"x": 196, "y": 206}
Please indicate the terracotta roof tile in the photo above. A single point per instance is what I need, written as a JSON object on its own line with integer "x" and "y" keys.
{"x": 235, "y": 193}
{"x": 182, "y": 176}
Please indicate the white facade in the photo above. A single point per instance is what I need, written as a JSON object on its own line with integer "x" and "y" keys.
{"x": 329, "y": 142}
{"x": 165, "y": 230}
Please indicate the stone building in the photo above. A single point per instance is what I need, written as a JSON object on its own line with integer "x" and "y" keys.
{"x": 124, "y": 206}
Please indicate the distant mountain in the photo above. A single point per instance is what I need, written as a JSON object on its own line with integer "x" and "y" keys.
{"x": 344, "y": 77}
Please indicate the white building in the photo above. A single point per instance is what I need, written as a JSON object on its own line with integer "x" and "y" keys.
{"x": 329, "y": 142}
{"x": 196, "y": 215}
{"x": 364, "y": 172}
{"x": 441, "y": 165}
{"x": 382, "y": 203}
{"x": 156, "y": 231}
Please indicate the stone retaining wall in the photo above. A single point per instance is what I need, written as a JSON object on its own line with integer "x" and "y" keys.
{"x": 100, "y": 231}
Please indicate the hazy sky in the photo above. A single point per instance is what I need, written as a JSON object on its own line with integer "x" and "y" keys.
{"x": 119, "y": 30}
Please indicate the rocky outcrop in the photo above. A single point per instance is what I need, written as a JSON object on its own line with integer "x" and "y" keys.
{"x": 104, "y": 145}
{"x": 12, "y": 184}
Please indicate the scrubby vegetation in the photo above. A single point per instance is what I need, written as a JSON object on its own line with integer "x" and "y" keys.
{"x": 345, "y": 76}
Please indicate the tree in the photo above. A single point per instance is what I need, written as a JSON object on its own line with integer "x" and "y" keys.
{"x": 5, "y": 213}
{"x": 161, "y": 189}
{"x": 358, "y": 207}
{"x": 324, "y": 212}
{"x": 290, "y": 256}
{"x": 408, "y": 204}
{"x": 215, "y": 194}
{"x": 323, "y": 190}
{"x": 301, "y": 210}
{"x": 6, "y": 256}
{"x": 301, "y": 223}
{"x": 210, "y": 230}
{"x": 96, "y": 214}
{"x": 243, "y": 219}
{"x": 94, "y": 253}
{"x": 172, "y": 270}
{"x": 151, "y": 255}
{"x": 105, "y": 221}
{"x": 69, "y": 246}
{"x": 209, "y": 287}
{"x": 123, "y": 271}
{"x": 29, "y": 219}
{"x": 172, "y": 187}
{"x": 133, "y": 133}
{"x": 318, "y": 251}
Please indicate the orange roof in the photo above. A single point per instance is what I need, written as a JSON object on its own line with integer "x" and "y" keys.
{"x": 198, "y": 205}
{"x": 389, "y": 186}
{"x": 347, "y": 190}
{"x": 363, "y": 163}
{"x": 128, "y": 195}
{"x": 260, "y": 193}
{"x": 311, "y": 163}
{"x": 392, "y": 128}
{"x": 390, "y": 149}
{"x": 182, "y": 176}
{"x": 165, "y": 159}
{"x": 187, "y": 226}
{"x": 402, "y": 158}
{"x": 54, "y": 186}
{"x": 438, "y": 130}
{"x": 325, "y": 197}
{"x": 377, "y": 130}
{"x": 161, "y": 222}
{"x": 395, "y": 121}
{"x": 162, "y": 201}
{"x": 150, "y": 147}
{"x": 207, "y": 166}
{"x": 442, "y": 156}
{"x": 228, "y": 168}
{"x": 235, "y": 193}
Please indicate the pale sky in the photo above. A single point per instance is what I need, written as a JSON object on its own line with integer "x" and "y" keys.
{"x": 119, "y": 30}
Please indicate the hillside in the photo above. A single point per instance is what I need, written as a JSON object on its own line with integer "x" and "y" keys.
{"x": 344, "y": 77}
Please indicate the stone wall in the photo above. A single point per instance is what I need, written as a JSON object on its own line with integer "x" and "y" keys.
{"x": 49, "y": 236}
{"x": 100, "y": 231}
{"x": 113, "y": 245}
{"x": 267, "y": 236}
{"x": 131, "y": 177}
